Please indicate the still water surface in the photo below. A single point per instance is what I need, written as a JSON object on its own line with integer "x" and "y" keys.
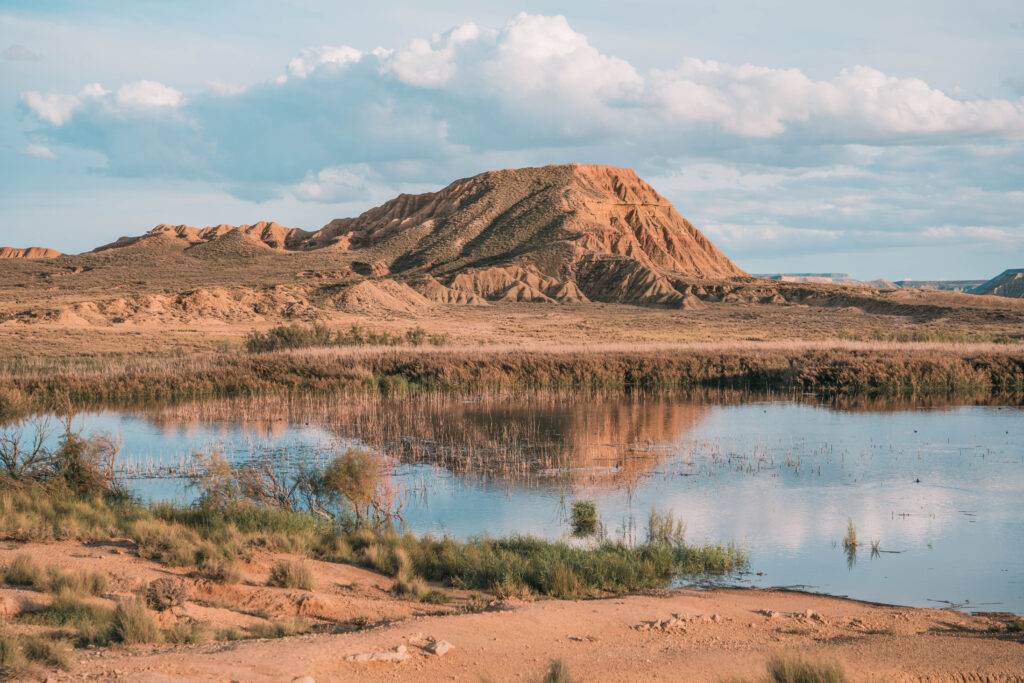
{"x": 940, "y": 490}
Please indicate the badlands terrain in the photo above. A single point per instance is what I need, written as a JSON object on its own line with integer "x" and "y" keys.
{"x": 576, "y": 254}
{"x": 561, "y": 276}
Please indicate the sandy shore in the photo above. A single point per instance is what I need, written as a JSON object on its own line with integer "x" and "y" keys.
{"x": 680, "y": 635}
{"x": 715, "y": 635}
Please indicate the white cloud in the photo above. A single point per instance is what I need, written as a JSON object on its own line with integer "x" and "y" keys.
{"x": 430, "y": 63}
{"x": 58, "y": 109}
{"x": 148, "y": 95}
{"x": 53, "y": 108}
{"x": 337, "y": 184}
{"x": 760, "y": 102}
{"x": 39, "y": 151}
{"x": 326, "y": 57}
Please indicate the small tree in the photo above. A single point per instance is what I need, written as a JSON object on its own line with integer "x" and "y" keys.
{"x": 23, "y": 451}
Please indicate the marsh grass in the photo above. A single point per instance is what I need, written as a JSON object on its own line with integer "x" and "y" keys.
{"x": 829, "y": 367}
{"x": 850, "y": 542}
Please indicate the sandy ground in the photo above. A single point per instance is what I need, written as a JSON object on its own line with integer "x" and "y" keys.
{"x": 718, "y": 635}
{"x": 683, "y": 635}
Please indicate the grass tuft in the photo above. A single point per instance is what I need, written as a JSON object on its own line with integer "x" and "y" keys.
{"x": 285, "y": 574}
{"x": 795, "y": 669}
{"x": 133, "y": 624}
{"x": 52, "y": 653}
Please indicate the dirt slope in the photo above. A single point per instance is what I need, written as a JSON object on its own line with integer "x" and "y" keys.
{"x": 1009, "y": 283}
{"x": 28, "y": 252}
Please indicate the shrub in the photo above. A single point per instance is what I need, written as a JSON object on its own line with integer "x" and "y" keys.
{"x": 557, "y": 673}
{"x": 52, "y": 653}
{"x": 187, "y": 632}
{"x": 80, "y": 583}
{"x": 23, "y": 571}
{"x": 584, "y": 518}
{"x": 164, "y": 593}
{"x": 279, "y": 629}
{"x": 355, "y": 477}
{"x": 290, "y": 337}
{"x": 93, "y": 623}
{"x": 220, "y": 570}
{"x": 133, "y": 624}
{"x": 794, "y": 669}
{"x": 286, "y": 574}
{"x": 11, "y": 658}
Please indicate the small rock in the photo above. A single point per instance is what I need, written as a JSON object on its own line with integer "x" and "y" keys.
{"x": 399, "y": 654}
{"x": 439, "y": 647}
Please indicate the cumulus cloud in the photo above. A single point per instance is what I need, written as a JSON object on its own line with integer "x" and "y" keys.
{"x": 57, "y": 109}
{"x": 323, "y": 58}
{"x": 765, "y": 158}
{"x": 147, "y": 95}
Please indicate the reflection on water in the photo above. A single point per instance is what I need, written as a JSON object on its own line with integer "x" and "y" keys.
{"x": 936, "y": 495}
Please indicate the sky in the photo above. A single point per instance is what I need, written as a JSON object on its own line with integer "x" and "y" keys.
{"x": 881, "y": 139}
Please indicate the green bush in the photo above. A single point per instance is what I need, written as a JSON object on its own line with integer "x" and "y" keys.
{"x": 584, "y": 518}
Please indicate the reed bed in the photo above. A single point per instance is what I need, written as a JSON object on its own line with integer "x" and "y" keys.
{"x": 836, "y": 367}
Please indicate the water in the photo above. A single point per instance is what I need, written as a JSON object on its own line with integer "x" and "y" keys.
{"x": 940, "y": 490}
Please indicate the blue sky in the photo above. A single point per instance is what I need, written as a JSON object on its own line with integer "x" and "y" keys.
{"x": 885, "y": 139}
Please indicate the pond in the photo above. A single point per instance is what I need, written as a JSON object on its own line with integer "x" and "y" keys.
{"x": 936, "y": 494}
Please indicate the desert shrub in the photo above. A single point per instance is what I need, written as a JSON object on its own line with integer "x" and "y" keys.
{"x": 221, "y": 570}
{"x": 557, "y": 672}
{"x": 80, "y": 582}
{"x": 584, "y": 518}
{"x": 12, "y": 660}
{"x": 416, "y": 336}
{"x": 133, "y": 624}
{"x": 279, "y": 629}
{"x": 187, "y": 632}
{"x": 23, "y": 571}
{"x": 166, "y": 543}
{"x": 354, "y": 476}
{"x": 51, "y": 653}
{"x": 285, "y": 574}
{"x": 290, "y": 337}
{"x": 164, "y": 593}
{"x": 407, "y": 584}
{"x": 92, "y": 623}
{"x": 795, "y": 669}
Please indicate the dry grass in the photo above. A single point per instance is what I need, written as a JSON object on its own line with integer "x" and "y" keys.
{"x": 840, "y": 367}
